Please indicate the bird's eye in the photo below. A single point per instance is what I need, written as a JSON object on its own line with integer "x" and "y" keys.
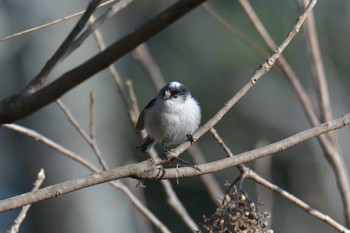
{"x": 175, "y": 96}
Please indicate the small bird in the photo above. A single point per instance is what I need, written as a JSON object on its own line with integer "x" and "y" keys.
{"x": 170, "y": 118}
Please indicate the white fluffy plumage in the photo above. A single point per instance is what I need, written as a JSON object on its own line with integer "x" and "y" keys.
{"x": 171, "y": 117}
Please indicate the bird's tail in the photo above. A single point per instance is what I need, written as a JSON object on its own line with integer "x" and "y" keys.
{"x": 147, "y": 143}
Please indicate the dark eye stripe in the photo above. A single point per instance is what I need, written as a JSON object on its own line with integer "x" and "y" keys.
{"x": 175, "y": 92}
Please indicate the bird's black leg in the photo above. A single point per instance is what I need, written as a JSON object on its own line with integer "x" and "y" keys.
{"x": 165, "y": 150}
{"x": 167, "y": 156}
{"x": 190, "y": 138}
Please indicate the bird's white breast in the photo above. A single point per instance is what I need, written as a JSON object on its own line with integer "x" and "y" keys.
{"x": 171, "y": 120}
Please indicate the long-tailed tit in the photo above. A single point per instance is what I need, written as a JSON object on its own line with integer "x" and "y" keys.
{"x": 170, "y": 118}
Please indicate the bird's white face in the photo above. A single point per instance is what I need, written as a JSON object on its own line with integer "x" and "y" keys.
{"x": 172, "y": 115}
{"x": 174, "y": 96}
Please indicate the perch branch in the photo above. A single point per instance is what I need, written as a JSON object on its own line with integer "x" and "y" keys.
{"x": 149, "y": 170}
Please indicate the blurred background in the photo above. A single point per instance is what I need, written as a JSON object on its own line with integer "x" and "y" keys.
{"x": 200, "y": 52}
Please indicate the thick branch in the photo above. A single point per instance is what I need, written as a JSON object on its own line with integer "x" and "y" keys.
{"x": 149, "y": 170}
{"x": 19, "y": 106}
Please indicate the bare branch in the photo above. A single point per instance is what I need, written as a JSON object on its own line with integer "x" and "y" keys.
{"x": 149, "y": 170}
{"x": 22, "y": 215}
{"x": 177, "y": 205}
{"x": 91, "y": 142}
{"x": 92, "y": 115}
{"x": 210, "y": 183}
{"x": 141, "y": 207}
{"x": 97, "y": 23}
{"x": 143, "y": 55}
{"x": 50, "y": 143}
{"x": 231, "y": 27}
{"x": 221, "y": 142}
{"x": 71, "y": 119}
{"x": 317, "y": 67}
{"x": 93, "y": 139}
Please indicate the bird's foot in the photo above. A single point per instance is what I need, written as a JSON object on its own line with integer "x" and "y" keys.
{"x": 190, "y": 138}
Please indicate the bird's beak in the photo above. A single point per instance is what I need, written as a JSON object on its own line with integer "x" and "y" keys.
{"x": 167, "y": 94}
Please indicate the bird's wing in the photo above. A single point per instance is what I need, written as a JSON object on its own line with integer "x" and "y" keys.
{"x": 141, "y": 121}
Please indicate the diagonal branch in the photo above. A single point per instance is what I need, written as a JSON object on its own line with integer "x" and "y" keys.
{"x": 19, "y": 106}
{"x": 149, "y": 170}
{"x": 263, "y": 69}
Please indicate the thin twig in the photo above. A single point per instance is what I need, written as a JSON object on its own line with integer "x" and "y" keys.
{"x": 22, "y": 215}
{"x": 52, "y": 23}
{"x": 177, "y": 206}
{"x": 92, "y": 143}
{"x": 72, "y": 120}
{"x": 317, "y": 67}
{"x": 134, "y": 111}
{"x": 265, "y": 169}
{"x": 231, "y": 27}
{"x": 92, "y": 115}
{"x": 93, "y": 139}
{"x": 221, "y": 142}
{"x": 143, "y": 224}
{"x": 97, "y": 23}
{"x": 142, "y": 208}
{"x": 149, "y": 170}
{"x": 310, "y": 210}
{"x": 50, "y": 143}
{"x": 210, "y": 183}
{"x": 143, "y": 55}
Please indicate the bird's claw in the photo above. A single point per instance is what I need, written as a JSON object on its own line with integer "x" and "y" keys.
{"x": 190, "y": 138}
